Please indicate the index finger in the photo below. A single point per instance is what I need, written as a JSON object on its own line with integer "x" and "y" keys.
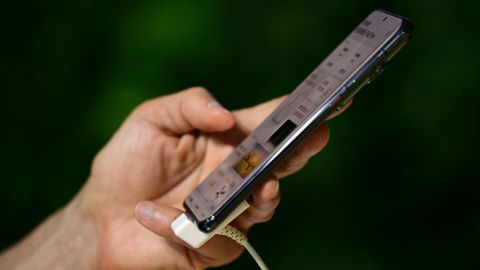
{"x": 192, "y": 109}
{"x": 250, "y": 118}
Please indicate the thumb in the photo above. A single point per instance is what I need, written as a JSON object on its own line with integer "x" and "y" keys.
{"x": 157, "y": 218}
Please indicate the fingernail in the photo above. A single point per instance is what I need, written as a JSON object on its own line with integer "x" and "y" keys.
{"x": 145, "y": 211}
{"x": 215, "y": 105}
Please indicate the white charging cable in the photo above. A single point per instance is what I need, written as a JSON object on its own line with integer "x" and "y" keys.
{"x": 187, "y": 230}
{"x": 239, "y": 237}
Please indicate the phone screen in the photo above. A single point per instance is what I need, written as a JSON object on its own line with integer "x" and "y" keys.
{"x": 308, "y": 104}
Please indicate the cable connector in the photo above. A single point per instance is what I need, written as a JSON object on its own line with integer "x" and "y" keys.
{"x": 187, "y": 230}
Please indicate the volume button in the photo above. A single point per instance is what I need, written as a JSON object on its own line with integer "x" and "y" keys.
{"x": 338, "y": 98}
{"x": 350, "y": 83}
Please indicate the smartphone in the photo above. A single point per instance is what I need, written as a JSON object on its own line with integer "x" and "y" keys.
{"x": 354, "y": 63}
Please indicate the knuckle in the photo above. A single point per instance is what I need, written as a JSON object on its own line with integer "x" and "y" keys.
{"x": 143, "y": 107}
{"x": 269, "y": 217}
{"x": 263, "y": 216}
{"x": 147, "y": 107}
{"x": 198, "y": 90}
{"x": 257, "y": 215}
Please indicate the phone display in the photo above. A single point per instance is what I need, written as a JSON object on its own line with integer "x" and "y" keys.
{"x": 354, "y": 63}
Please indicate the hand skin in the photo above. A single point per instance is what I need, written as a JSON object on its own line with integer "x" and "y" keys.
{"x": 121, "y": 218}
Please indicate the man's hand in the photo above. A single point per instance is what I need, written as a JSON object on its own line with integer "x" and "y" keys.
{"x": 140, "y": 179}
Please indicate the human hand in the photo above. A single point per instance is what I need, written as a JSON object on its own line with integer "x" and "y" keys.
{"x": 164, "y": 149}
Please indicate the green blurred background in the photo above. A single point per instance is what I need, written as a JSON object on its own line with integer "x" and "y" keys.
{"x": 396, "y": 188}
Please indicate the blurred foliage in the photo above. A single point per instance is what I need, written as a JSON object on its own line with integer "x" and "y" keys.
{"x": 396, "y": 188}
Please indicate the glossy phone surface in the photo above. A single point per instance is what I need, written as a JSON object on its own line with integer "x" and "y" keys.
{"x": 354, "y": 63}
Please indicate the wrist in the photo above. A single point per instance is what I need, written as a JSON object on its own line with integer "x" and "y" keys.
{"x": 79, "y": 235}
{"x": 66, "y": 240}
